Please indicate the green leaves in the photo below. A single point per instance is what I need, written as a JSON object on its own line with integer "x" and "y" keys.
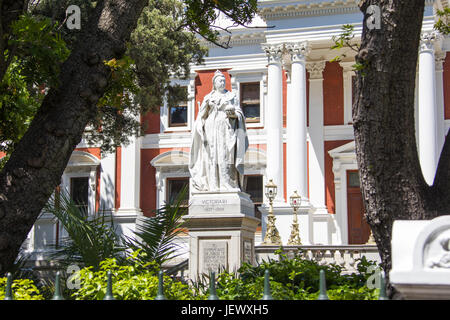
{"x": 39, "y": 49}
{"x": 201, "y": 16}
{"x": 36, "y": 51}
{"x": 90, "y": 239}
{"x": 23, "y": 289}
{"x": 133, "y": 281}
{"x": 442, "y": 25}
{"x": 155, "y": 236}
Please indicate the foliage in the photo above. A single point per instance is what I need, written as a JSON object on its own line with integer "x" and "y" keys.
{"x": 346, "y": 40}
{"x": 442, "y": 25}
{"x": 201, "y": 16}
{"x": 36, "y": 51}
{"x": 296, "y": 278}
{"x": 117, "y": 118}
{"x": 90, "y": 240}
{"x": 163, "y": 46}
{"x": 22, "y": 289}
{"x": 155, "y": 235}
{"x": 134, "y": 281}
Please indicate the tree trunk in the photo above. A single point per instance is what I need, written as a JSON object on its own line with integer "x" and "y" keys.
{"x": 38, "y": 162}
{"x": 392, "y": 183}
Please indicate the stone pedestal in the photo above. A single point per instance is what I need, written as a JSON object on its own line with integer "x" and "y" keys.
{"x": 222, "y": 231}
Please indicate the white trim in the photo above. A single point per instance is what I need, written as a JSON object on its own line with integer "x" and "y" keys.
{"x": 77, "y": 169}
{"x": 183, "y": 139}
{"x": 348, "y": 73}
{"x": 255, "y": 62}
{"x": 164, "y": 110}
{"x": 339, "y": 132}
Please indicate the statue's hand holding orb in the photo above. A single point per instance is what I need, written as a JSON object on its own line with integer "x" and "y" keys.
{"x": 230, "y": 112}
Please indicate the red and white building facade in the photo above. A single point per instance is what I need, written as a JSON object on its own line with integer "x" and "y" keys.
{"x": 299, "y": 124}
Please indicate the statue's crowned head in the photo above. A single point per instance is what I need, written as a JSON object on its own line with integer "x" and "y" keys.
{"x": 217, "y": 74}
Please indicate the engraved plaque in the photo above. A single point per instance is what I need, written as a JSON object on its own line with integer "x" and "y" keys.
{"x": 248, "y": 251}
{"x": 214, "y": 256}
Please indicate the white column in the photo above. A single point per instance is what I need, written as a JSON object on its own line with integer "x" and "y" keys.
{"x": 348, "y": 89}
{"x": 107, "y": 181}
{"x": 296, "y": 149}
{"x": 274, "y": 119}
{"x": 316, "y": 135}
{"x": 440, "y": 111}
{"x": 427, "y": 108}
{"x": 130, "y": 177}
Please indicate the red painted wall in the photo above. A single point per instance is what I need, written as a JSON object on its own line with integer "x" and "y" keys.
{"x": 148, "y": 182}
{"x": 152, "y": 121}
{"x": 333, "y": 94}
{"x": 94, "y": 151}
{"x": 446, "y": 77}
{"x": 329, "y": 176}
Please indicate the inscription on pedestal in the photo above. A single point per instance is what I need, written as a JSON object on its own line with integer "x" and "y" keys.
{"x": 214, "y": 205}
{"x": 214, "y": 256}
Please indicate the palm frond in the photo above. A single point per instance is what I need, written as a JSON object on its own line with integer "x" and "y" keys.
{"x": 155, "y": 236}
{"x": 90, "y": 239}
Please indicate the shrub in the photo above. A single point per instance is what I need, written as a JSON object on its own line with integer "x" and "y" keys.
{"x": 296, "y": 278}
{"x": 22, "y": 289}
{"x": 130, "y": 282}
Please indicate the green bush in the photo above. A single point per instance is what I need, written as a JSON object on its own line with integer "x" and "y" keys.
{"x": 129, "y": 282}
{"x": 296, "y": 278}
{"x": 22, "y": 289}
{"x": 290, "y": 279}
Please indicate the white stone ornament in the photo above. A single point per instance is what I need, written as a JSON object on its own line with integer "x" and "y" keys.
{"x": 421, "y": 258}
{"x": 274, "y": 52}
{"x": 298, "y": 51}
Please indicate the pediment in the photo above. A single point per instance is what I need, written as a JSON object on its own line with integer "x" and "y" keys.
{"x": 171, "y": 159}
{"x": 345, "y": 150}
{"x": 82, "y": 158}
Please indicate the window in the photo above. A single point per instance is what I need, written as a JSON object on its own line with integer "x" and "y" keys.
{"x": 79, "y": 192}
{"x": 178, "y": 114}
{"x": 253, "y": 185}
{"x": 353, "y": 179}
{"x": 174, "y": 188}
{"x": 250, "y": 101}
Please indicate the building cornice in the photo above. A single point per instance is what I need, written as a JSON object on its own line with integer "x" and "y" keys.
{"x": 254, "y": 37}
{"x": 277, "y": 9}
{"x": 271, "y": 10}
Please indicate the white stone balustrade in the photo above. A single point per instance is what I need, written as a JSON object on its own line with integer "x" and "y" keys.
{"x": 346, "y": 256}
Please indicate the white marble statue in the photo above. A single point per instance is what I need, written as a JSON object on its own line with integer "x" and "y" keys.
{"x": 219, "y": 141}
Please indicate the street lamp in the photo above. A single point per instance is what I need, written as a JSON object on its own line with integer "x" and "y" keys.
{"x": 294, "y": 238}
{"x": 272, "y": 236}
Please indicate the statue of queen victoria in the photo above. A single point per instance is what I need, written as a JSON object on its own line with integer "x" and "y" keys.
{"x": 219, "y": 141}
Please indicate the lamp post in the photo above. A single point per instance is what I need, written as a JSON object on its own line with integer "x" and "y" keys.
{"x": 371, "y": 239}
{"x": 294, "y": 238}
{"x": 272, "y": 236}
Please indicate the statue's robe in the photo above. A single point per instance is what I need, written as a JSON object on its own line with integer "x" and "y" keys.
{"x": 217, "y": 139}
